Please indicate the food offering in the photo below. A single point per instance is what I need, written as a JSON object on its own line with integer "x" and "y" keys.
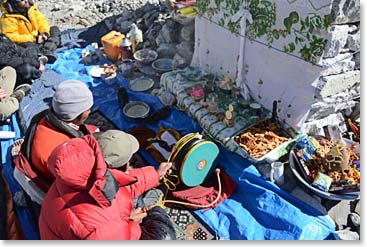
{"x": 109, "y": 73}
{"x": 265, "y": 139}
{"x": 332, "y": 167}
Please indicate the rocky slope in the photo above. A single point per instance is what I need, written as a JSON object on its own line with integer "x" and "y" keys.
{"x": 84, "y": 13}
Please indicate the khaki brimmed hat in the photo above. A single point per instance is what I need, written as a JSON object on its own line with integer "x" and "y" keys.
{"x": 117, "y": 147}
{"x": 8, "y": 77}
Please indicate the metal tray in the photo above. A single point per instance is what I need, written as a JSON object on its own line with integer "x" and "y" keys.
{"x": 272, "y": 155}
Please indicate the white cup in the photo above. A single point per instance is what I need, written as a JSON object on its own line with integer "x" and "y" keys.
{"x": 277, "y": 172}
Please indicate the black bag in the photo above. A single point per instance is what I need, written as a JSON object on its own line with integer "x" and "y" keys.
{"x": 157, "y": 226}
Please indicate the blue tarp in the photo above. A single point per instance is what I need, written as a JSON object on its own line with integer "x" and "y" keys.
{"x": 23, "y": 213}
{"x": 258, "y": 210}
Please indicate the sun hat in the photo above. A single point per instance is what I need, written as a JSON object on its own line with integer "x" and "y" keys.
{"x": 117, "y": 147}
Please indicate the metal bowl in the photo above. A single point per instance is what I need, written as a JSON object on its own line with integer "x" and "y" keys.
{"x": 163, "y": 65}
{"x": 136, "y": 110}
{"x": 331, "y": 196}
{"x": 145, "y": 56}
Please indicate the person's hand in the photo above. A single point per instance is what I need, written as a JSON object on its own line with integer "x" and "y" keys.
{"x": 163, "y": 168}
{"x": 42, "y": 67}
{"x": 138, "y": 215}
{"x": 40, "y": 39}
{"x": 3, "y": 94}
{"x": 45, "y": 37}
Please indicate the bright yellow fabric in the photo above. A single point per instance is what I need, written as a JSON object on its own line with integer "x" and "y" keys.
{"x": 19, "y": 29}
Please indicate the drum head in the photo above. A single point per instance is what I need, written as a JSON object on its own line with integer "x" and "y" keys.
{"x": 198, "y": 162}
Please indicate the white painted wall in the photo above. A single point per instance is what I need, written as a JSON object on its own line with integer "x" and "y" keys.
{"x": 285, "y": 77}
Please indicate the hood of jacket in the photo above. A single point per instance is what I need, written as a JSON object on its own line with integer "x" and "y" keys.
{"x": 79, "y": 164}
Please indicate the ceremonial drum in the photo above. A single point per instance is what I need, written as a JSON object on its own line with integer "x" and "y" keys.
{"x": 193, "y": 158}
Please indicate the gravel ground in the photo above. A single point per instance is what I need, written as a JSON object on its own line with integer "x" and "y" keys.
{"x": 84, "y": 13}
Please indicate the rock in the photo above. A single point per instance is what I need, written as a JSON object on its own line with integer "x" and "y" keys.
{"x": 336, "y": 41}
{"x": 338, "y": 83}
{"x": 353, "y": 28}
{"x": 186, "y": 50}
{"x": 347, "y": 235}
{"x": 356, "y": 58}
{"x": 303, "y": 196}
{"x": 166, "y": 50}
{"x": 170, "y": 31}
{"x": 345, "y": 11}
{"x": 353, "y": 41}
{"x": 188, "y": 33}
{"x": 180, "y": 62}
{"x": 338, "y": 67}
{"x": 123, "y": 26}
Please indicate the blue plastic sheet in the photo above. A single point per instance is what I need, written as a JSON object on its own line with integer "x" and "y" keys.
{"x": 258, "y": 210}
{"x": 23, "y": 213}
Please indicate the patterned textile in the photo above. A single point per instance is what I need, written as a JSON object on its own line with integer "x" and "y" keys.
{"x": 189, "y": 226}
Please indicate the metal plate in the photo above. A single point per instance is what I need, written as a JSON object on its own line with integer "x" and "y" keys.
{"x": 163, "y": 65}
{"x": 96, "y": 71}
{"x": 141, "y": 84}
{"x": 136, "y": 110}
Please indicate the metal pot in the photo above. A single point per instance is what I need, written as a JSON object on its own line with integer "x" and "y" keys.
{"x": 127, "y": 67}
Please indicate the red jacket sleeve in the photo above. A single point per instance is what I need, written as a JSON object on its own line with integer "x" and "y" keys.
{"x": 147, "y": 178}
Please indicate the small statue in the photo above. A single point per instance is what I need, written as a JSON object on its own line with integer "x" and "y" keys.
{"x": 229, "y": 116}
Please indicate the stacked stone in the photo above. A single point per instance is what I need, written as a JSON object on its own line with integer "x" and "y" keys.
{"x": 338, "y": 94}
{"x": 176, "y": 40}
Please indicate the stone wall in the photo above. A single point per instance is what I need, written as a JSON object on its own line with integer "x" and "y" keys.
{"x": 338, "y": 88}
{"x": 171, "y": 35}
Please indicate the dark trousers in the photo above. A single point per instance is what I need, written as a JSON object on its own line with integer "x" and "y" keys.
{"x": 50, "y": 45}
{"x": 156, "y": 225}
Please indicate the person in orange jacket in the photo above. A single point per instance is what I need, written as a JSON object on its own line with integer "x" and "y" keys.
{"x": 24, "y": 24}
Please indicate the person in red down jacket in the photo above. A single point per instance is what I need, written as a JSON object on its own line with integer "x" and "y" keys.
{"x": 90, "y": 201}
